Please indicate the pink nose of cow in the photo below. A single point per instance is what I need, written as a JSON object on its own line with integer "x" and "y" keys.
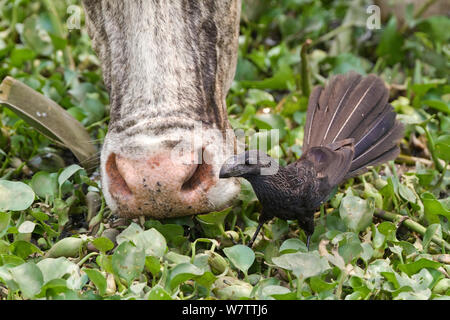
{"x": 158, "y": 186}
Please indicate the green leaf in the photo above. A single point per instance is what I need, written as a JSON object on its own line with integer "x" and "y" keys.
{"x": 350, "y": 246}
{"x": 67, "y": 247}
{"x": 257, "y": 291}
{"x": 26, "y": 227}
{"x": 319, "y": 285}
{"x": 247, "y": 194}
{"x": 391, "y": 43}
{"x": 29, "y": 279}
{"x": 259, "y": 97}
{"x": 98, "y": 279}
{"x": 44, "y": 184}
{"x": 206, "y": 280}
{"x": 177, "y": 258}
{"x": 279, "y": 228}
{"x": 245, "y": 70}
{"x": 294, "y": 106}
{"x": 56, "y": 268}
{"x": 6, "y": 277}
{"x": 388, "y": 229}
{"x": 432, "y": 230}
{"x": 23, "y": 248}
{"x": 19, "y": 56}
{"x": 411, "y": 295}
{"x": 153, "y": 265}
{"x": 57, "y": 290}
{"x": 442, "y": 286}
{"x": 378, "y": 239}
{"x": 58, "y": 42}
{"x": 182, "y": 273}
{"x": 172, "y": 232}
{"x": 283, "y": 79}
{"x": 414, "y": 267}
{"x": 4, "y": 221}
{"x": 229, "y": 288}
{"x": 215, "y": 217}
{"x": 271, "y": 121}
{"x": 371, "y": 191}
{"x": 128, "y": 261}
{"x": 406, "y": 193}
{"x": 418, "y": 284}
{"x": 67, "y": 173}
{"x": 389, "y": 192}
{"x": 49, "y": 162}
{"x": 334, "y": 221}
{"x": 15, "y": 196}
{"x": 158, "y": 293}
{"x": 438, "y": 105}
{"x": 356, "y": 213}
{"x": 248, "y": 114}
{"x": 433, "y": 207}
{"x": 213, "y": 223}
{"x": 275, "y": 291}
{"x": 217, "y": 263}
{"x": 425, "y": 176}
{"x": 408, "y": 248}
{"x": 442, "y": 147}
{"x": 346, "y": 62}
{"x": 391, "y": 277}
{"x": 259, "y": 57}
{"x": 129, "y": 233}
{"x": 94, "y": 108}
{"x": 292, "y": 245}
{"x": 103, "y": 244}
{"x": 151, "y": 241}
{"x": 105, "y": 263}
{"x": 285, "y": 296}
{"x": 241, "y": 256}
{"x": 4, "y": 247}
{"x": 137, "y": 288}
{"x": 303, "y": 265}
{"x": 434, "y": 26}
{"x": 11, "y": 260}
{"x": 34, "y": 36}
{"x": 61, "y": 209}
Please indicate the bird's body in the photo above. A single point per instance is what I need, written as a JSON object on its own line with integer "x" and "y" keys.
{"x": 287, "y": 197}
{"x": 291, "y": 193}
{"x": 349, "y": 126}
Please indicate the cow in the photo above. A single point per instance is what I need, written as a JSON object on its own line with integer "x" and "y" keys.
{"x": 167, "y": 66}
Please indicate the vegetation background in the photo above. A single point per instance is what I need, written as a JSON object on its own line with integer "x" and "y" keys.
{"x": 383, "y": 235}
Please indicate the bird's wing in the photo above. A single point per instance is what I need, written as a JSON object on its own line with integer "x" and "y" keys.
{"x": 331, "y": 162}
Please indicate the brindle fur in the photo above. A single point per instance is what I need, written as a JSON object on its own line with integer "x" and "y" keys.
{"x": 168, "y": 66}
{"x": 186, "y": 50}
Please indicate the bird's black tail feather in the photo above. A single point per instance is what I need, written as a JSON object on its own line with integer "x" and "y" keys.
{"x": 352, "y": 106}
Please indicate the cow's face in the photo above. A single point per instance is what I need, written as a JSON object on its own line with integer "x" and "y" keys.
{"x": 171, "y": 175}
{"x": 168, "y": 66}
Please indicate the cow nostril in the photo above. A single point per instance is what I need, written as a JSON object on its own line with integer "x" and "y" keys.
{"x": 117, "y": 182}
{"x": 200, "y": 174}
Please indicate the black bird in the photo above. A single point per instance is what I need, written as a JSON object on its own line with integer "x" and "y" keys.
{"x": 349, "y": 125}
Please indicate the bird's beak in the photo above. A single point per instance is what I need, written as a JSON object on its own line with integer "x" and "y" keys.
{"x": 224, "y": 172}
{"x": 231, "y": 168}
{"x": 228, "y": 171}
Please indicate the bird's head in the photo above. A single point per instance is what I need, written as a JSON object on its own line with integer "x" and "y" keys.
{"x": 248, "y": 163}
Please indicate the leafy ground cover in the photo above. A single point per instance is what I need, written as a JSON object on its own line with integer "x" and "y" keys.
{"x": 383, "y": 235}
